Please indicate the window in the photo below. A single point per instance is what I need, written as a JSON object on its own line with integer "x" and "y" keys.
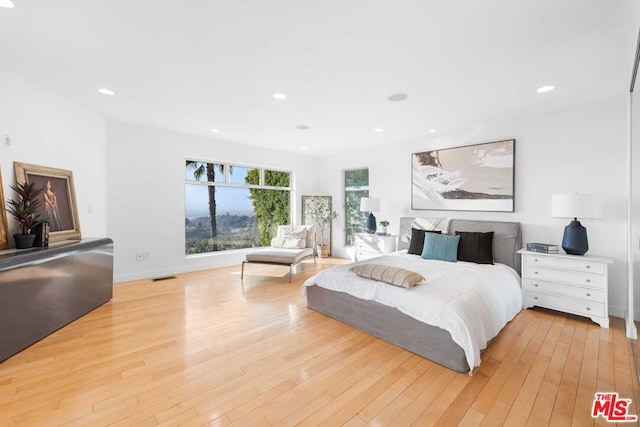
{"x": 356, "y": 186}
{"x": 232, "y": 206}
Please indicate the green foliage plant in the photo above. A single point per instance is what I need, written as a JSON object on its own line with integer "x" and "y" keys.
{"x": 320, "y": 213}
{"x": 271, "y": 207}
{"x": 25, "y": 207}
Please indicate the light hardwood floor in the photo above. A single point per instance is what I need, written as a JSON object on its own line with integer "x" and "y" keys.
{"x": 197, "y": 350}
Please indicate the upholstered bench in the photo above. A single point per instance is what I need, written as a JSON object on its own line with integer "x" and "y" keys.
{"x": 291, "y": 246}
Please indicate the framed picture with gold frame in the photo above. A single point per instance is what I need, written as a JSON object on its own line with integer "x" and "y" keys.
{"x": 58, "y": 205}
{"x": 4, "y": 229}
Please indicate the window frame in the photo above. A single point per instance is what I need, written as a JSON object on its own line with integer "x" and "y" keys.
{"x": 227, "y": 176}
{"x": 352, "y": 189}
{"x": 227, "y": 183}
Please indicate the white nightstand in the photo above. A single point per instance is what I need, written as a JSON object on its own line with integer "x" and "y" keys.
{"x": 373, "y": 245}
{"x": 570, "y": 283}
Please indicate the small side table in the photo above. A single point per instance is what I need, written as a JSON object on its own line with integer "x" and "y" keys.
{"x": 373, "y": 245}
{"x": 569, "y": 283}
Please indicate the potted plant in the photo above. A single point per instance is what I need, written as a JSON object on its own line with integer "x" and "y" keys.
{"x": 320, "y": 213}
{"x": 24, "y": 209}
{"x": 383, "y": 227}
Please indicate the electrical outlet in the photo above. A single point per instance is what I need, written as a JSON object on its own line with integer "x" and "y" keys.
{"x": 6, "y": 140}
{"x": 146, "y": 256}
{"x": 139, "y": 256}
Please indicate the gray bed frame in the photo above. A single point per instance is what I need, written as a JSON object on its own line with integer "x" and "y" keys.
{"x": 393, "y": 326}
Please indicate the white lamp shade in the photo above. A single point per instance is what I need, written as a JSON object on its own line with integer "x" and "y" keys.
{"x": 369, "y": 204}
{"x": 576, "y": 206}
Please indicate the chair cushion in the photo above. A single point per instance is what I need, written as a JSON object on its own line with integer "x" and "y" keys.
{"x": 279, "y": 255}
{"x": 288, "y": 243}
{"x": 305, "y": 232}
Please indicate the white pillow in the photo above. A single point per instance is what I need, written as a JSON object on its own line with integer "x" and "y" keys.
{"x": 429, "y": 224}
{"x": 310, "y": 235}
{"x": 304, "y": 232}
{"x": 296, "y": 231}
{"x": 288, "y": 243}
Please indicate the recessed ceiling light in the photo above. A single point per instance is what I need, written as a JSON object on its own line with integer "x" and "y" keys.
{"x": 378, "y": 130}
{"x": 7, "y": 3}
{"x": 105, "y": 91}
{"x": 302, "y": 127}
{"x": 432, "y": 131}
{"x": 214, "y": 130}
{"x": 279, "y": 95}
{"x": 398, "y": 97}
{"x": 544, "y": 89}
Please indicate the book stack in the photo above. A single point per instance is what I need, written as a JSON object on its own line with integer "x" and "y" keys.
{"x": 543, "y": 247}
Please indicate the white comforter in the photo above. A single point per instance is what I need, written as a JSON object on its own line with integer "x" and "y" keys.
{"x": 471, "y": 301}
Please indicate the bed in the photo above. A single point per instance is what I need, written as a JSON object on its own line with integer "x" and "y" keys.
{"x": 449, "y": 317}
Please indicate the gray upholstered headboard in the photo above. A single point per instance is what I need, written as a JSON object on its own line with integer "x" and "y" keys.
{"x": 507, "y": 240}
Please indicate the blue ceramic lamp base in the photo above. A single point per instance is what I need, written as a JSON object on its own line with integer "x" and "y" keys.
{"x": 371, "y": 223}
{"x": 574, "y": 241}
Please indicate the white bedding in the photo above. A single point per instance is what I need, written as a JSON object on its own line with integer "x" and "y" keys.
{"x": 471, "y": 301}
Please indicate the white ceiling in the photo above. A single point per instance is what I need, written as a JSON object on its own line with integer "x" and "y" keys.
{"x": 192, "y": 65}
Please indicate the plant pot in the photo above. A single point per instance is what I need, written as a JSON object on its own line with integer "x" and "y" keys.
{"x": 24, "y": 241}
{"x": 323, "y": 251}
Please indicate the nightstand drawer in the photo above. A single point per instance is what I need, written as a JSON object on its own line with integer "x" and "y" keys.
{"x": 368, "y": 246}
{"x": 361, "y": 255}
{"x": 547, "y": 274}
{"x": 549, "y": 288}
{"x": 565, "y": 264}
{"x": 569, "y": 305}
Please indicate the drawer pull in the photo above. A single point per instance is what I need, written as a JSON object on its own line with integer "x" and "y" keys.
{"x": 588, "y": 280}
{"x": 535, "y": 260}
{"x": 588, "y": 294}
{"x": 588, "y": 308}
{"x": 535, "y": 272}
{"x": 535, "y": 284}
{"x": 588, "y": 266}
{"x": 535, "y": 297}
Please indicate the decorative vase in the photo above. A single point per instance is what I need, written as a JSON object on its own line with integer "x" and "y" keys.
{"x": 24, "y": 241}
{"x": 323, "y": 251}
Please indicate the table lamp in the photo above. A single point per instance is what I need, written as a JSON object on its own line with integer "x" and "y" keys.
{"x": 575, "y": 206}
{"x": 371, "y": 205}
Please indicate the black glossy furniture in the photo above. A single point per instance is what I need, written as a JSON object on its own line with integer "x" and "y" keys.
{"x": 43, "y": 289}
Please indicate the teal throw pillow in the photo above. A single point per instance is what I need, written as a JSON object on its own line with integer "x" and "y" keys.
{"x": 441, "y": 247}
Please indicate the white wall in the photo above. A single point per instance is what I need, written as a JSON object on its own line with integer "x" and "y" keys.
{"x": 634, "y": 223}
{"x": 577, "y": 151}
{"x": 562, "y": 152}
{"x": 145, "y": 195}
{"x": 48, "y": 130}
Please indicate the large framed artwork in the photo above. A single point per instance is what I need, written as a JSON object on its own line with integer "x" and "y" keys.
{"x": 58, "y": 199}
{"x": 472, "y": 178}
{"x": 4, "y": 238}
{"x": 314, "y": 208}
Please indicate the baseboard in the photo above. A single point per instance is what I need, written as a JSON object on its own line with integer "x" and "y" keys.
{"x": 630, "y": 327}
